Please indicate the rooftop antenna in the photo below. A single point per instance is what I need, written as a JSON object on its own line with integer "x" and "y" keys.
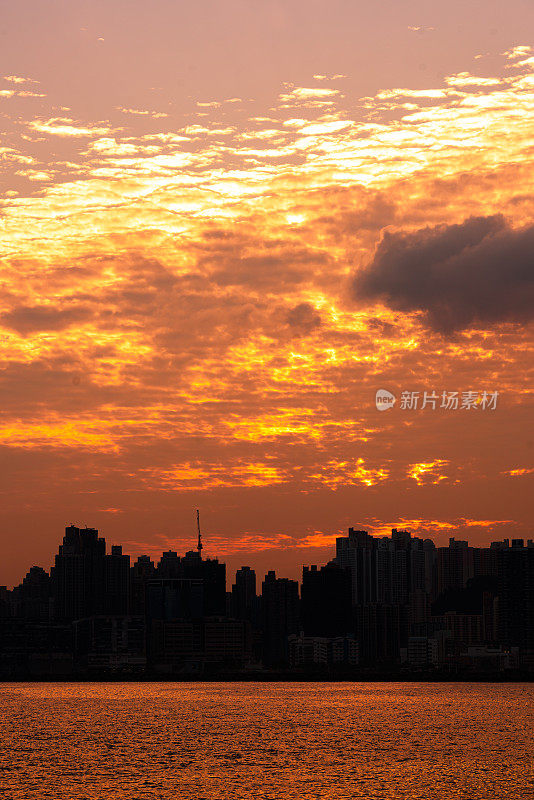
{"x": 199, "y": 544}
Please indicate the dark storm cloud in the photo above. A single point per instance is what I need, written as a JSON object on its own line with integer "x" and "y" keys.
{"x": 475, "y": 274}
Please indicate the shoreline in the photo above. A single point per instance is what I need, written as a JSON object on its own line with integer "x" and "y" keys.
{"x": 279, "y": 677}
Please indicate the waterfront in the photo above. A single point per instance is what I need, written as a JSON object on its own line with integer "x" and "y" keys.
{"x": 231, "y": 741}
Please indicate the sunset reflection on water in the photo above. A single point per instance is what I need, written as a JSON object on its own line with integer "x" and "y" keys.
{"x": 222, "y": 741}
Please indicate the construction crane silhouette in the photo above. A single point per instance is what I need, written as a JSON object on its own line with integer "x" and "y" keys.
{"x": 199, "y": 544}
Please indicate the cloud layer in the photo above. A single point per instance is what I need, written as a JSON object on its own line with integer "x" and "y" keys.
{"x": 176, "y": 330}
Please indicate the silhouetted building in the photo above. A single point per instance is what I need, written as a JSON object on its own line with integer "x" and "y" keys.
{"x": 244, "y": 604}
{"x": 393, "y": 584}
{"x": 422, "y": 652}
{"x": 141, "y": 572}
{"x": 406, "y": 569}
{"x": 32, "y": 600}
{"x": 175, "y": 598}
{"x": 305, "y": 651}
{"x": 280, "y": 617}
{"x": 378, "y": 633}
{"x": 169, "y": 565}
{"x": 465, "y": 630}
{"x": 224, "y": 642}
{"x": 116, "y": 582}
{"x": 78, "y": 576}
{"x": 208, "y": 570}
{"x": 485, "y": 562}
{"x": 516, "y": 595}
{"x": 486, "y": 659}
{"x": 175, "y": 645}
{"x": 431, "y": 569}
{"x": 455, "y": 565}
{"x": 358, "y": 553}
{"x": 398, "y": 573}
{"x": 6, "y": 606}
{"x": 197, "y": 645}
{"x": 213, "y": 574}
{"x": 244, "y": 599}
{"x": 322, "y": 651}
{"x": 326, "y": 601}
{"x": 110, "y": 644}
{"x": 32, "y": 648}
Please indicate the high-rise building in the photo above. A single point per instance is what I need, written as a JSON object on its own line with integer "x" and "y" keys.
{"x": 358, "y": 553}
{"x": 85, "y": 581}
{"x": 116, "y": 582}
{"x": 394, "y": 562}
{"x": 213, "y": 575}
{"x": 141, "y": 572}
{"x": 6, "y": 604}
{"x": 326, "y": 601}
{"x": 197, "y": 645}
{"x": 516, "y": 595}
{"x": 431, "y": 568}
{"x": 455, "y": 565}
{"x": 192, "y": 566}
{"x": 396, "y": 570}
{"x": 378, "y": 633}
{"x": 78, "y": 575}
{"x": 485, "y": 562}
{"x": 280, "y": 617}
{"x": 175, "y": 598}
{"x": 33, "y": 598}
{"x": 169, "y": 565}
{"x": 243, "y": 602}
{"x": 110, "y": 643}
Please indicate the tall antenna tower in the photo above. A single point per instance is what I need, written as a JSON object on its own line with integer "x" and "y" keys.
{"x": 199, "y": 544}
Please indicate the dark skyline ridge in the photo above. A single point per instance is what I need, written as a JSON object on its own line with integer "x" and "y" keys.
{"x": 392, "y": 602}
{"x": 201, "y": 539}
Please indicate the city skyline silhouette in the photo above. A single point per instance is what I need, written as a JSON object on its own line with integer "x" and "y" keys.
{"x": 393, "y": 603}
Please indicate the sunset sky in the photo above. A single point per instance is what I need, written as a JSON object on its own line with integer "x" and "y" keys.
{"x": 223, "y": 227}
